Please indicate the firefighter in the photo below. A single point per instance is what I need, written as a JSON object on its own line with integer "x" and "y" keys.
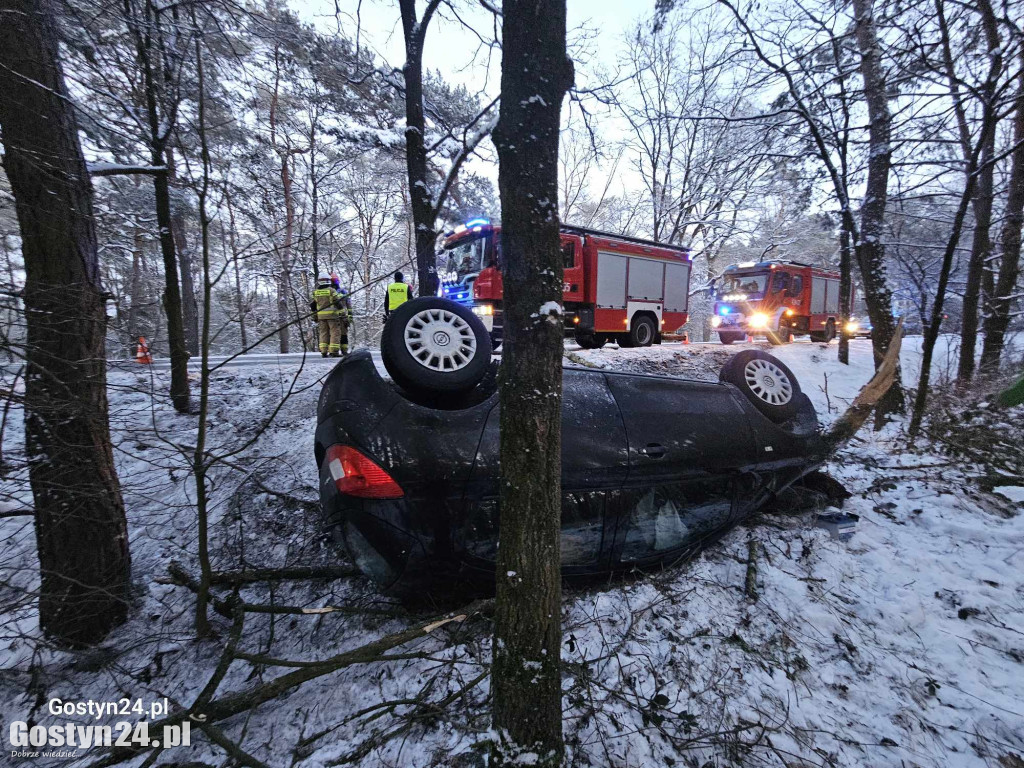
{"x": 332, "y": 316}
{"x": 398, "y": 294}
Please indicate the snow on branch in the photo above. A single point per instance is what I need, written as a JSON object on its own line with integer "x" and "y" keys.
{"x": 116, "y": 169}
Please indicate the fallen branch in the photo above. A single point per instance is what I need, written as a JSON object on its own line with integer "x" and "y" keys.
{"x": 847, "y": 425}
{"x": 179, "y": 576}
{"x": 750, "y": 586}
{"x": 250, "y": 698}
{"x": 298, "y": 573}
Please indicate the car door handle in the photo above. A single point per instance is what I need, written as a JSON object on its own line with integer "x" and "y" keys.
{"x": 653, "y": 451}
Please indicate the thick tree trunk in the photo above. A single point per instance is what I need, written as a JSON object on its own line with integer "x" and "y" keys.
{"x": 81, "y": 530}
{"x": 870, "y": 250}
{"x": 424, "y": 214}
{"x": 189, "y": 305}
{"x": 535, "y": 75}
{"x": 981, "y": 245}
{"x": 998, "y": 319}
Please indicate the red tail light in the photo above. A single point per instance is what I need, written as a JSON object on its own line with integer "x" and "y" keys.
{"x": 357, "y": 475}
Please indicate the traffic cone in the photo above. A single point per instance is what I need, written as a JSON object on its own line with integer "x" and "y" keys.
{"x": 750, "y": 338}
{"x": 686, "y": 337}
{"x": 142, "y": 356}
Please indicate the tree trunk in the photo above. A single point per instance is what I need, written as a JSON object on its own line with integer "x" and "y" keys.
{"x": 424, "y": 214}
{"x": 239, "y": 301}
{"x": 981, "y": 244}
{"x": 189, "y": 305}
{"x": 535, "y": 75}
{"x": 143, "y": 32}
{"x": 81, "y": 531}
{"x": 135, "y": 290}
{"x": 998, "y": 318}
{"x": 845, "y": 293}
{"x": 870, "y": 250}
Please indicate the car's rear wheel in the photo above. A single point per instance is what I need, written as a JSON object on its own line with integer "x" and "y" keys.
{"x": 435, "y": 346}
{"x": 765, "y": 381}
{"x": 587, "y": 340}
{"x": 830, "y": 330}
{"x": 728, "y": 337}
{"x": 642, "y": 332}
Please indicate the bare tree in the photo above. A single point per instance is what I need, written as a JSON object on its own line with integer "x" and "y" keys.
{"x": 870, "y": 250}
{"x": 81, "y": 531}
{"x": 998, "y": 320}
{"x": 536, "y": 73}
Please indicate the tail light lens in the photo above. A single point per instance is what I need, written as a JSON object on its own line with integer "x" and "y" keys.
{"x": 357, "y": 475}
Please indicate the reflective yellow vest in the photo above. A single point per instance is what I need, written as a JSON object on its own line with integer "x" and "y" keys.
{"x": 398, "y": 294}
{"x": 326, "y": 300}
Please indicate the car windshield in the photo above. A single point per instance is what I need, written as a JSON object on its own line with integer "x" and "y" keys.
{"x": 466, "y": 258}
{"x": 748, "y": 284}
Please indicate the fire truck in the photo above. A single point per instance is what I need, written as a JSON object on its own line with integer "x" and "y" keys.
{"x": 778, "y": 299}
{"x": 615, "y": 288}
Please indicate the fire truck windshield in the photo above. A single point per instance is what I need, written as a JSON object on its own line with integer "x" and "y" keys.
{"x": 751, "y": 285}
{"x": 466, "y": 258}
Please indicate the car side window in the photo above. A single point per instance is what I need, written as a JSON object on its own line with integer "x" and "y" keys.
{"x": 582, "y": 528}
{"x": 670, "y": 517}
{"x": 796, "y": 286}
{"x": 568, "y": 255}
{"x": 781, "y": 281}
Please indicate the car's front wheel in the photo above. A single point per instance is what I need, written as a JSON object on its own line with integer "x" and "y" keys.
{"x": 435, "y": 346}
{"x": 728, "y": 337}
{"x": 765, "y": 381}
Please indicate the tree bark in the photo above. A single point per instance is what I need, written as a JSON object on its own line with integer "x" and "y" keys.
{"x": 81, "y": 531}
{"x": 981, "y": 244}
{"x": 870, "y": 250}
{"x": 189, "y": 305}
{"x": 998, "y": 319}
{"x": 535, "y": 75}
{"x": 424, "y": 214}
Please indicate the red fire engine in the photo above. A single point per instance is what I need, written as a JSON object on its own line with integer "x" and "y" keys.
{"x": 778, "y": 299}
{"x": 615, "y": 288}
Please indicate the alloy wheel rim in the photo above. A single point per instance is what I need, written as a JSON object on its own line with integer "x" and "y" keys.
{"x": 768, "y": 382}
{"x": 440, "y": 340}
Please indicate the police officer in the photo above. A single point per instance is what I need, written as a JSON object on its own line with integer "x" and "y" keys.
{"x": 398, "y": 294}
{"x": 332, "y": 315}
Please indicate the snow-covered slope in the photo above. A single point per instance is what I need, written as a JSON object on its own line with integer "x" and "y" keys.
{"x": 901, "y": 647}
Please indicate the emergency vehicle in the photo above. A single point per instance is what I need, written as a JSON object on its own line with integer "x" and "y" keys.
{"x": 778, "y": 299}
{"x": 615, "y": 288}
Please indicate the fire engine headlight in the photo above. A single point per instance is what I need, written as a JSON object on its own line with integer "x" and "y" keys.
{"x": 716, "y": 321}
{"x": 483, "y": 309}
{"x": 758, "y": 320}
{"x": 852, "y": 326}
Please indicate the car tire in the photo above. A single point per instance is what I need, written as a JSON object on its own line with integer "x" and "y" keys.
{"x": 783, "y": 335}
{"x": 642, "y": 331}
{"x": 435, "y": 346}
{"x": 830, "y": 330}
{"x": 766, "y": 382}
{"x": 586, "y": 340}
{"x": 728, "y": 337}
{"x": 600, "y": 339}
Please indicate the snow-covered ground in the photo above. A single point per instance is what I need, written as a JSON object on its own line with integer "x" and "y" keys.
{"x": 902, "y": 647}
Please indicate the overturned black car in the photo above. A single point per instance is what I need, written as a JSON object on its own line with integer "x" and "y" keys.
{"x": 652, "y": 467}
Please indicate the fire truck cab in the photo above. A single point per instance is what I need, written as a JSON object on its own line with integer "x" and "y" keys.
{"x": 615, "y": 288}
{"x": 777, "y": 299}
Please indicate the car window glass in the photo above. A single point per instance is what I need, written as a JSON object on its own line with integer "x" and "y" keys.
{"x": 669, "y": 517}
{"x": 780, "y": 281}
{"x": 568, "y": 255}
{"x": 796, "y": 286}
{"x": 582, "y": 528}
